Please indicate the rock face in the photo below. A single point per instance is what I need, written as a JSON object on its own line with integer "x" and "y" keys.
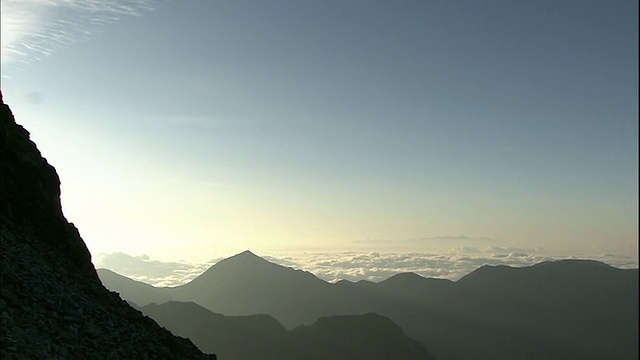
{"x": 52, "y": 304}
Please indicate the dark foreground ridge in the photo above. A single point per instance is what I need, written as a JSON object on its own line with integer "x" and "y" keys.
{"x": 366, "y": 336}
{"x": 52, "y": 304}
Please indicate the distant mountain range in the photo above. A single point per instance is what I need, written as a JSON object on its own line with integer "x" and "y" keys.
{"x": 570, "y": 309}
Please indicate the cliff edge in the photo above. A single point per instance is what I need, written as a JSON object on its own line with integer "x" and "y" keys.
{"x": 52, "y": 304}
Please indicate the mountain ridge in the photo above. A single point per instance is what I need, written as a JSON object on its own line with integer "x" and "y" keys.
{"x": 584, "y": 297}
{"x": 367, "y": 336}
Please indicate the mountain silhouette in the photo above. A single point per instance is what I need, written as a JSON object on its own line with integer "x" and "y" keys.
{"x": 52, "y": 303}
{"x": 412, "y": 287}
{"x": 137, "y": 292}
{"x": 246, "y": 284}
{"x": 568, "y": 309}
{"x": 368, "y": 336}
{"x": 231, "y": 337}
{"x": 580, "y": 304}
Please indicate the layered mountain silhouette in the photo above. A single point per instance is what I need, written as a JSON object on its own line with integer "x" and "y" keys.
{"x": 570, "y": 309}
{"x": 368, "y": 336}
{"x": 265, "y": 288}
{"x": 52, "y": 304}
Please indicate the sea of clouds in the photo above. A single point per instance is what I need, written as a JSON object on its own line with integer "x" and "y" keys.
{"x": 352, "y": 265}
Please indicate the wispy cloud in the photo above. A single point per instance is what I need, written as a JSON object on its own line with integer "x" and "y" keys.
{"x": 354, "y": 266}
{"x": 33, "y": 29}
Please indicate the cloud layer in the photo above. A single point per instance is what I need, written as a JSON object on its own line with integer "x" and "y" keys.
{"x": 353, "y": 266}
{"x": 154, "y": 272}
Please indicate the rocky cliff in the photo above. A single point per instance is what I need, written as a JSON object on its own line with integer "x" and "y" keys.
{"x": 52, "y": 304}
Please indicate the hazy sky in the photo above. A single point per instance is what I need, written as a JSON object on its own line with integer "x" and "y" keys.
{"x": 198, "y": 129}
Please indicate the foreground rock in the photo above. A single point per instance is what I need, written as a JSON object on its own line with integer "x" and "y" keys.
{"x": 52, "y": 304}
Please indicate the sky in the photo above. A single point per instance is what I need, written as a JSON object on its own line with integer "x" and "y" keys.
{"x": 193, "y": 130}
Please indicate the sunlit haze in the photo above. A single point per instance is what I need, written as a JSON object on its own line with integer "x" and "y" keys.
{"x": 189, "y": 131}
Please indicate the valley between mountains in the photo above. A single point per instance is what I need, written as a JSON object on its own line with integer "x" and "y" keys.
{"x": 569, "y": 309}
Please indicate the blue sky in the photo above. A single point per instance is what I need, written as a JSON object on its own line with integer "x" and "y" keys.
{"x": 195, "y": 129}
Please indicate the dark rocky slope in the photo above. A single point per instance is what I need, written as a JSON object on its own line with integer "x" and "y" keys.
{"x": 52, "y": 303}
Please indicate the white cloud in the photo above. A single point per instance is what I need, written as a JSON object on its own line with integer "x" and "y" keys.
{"x": 354, "y": 266}
{"x": 33, "y": 29}
{"x": 452, "y": 265}
{"x": 154, "y": 272}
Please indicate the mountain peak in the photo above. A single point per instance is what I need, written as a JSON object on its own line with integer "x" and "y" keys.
{"x": 565, "y": 271}
{"x": 407, "y": 276}
{"x": 245, "y": 258}
{"x": 247, "y": 254}
{"x": 566, "y": 263}
{"x": 247, "y": 266}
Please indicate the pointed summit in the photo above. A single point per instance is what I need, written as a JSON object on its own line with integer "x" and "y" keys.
{"x": 245, "y": 255}
{"x": 248, "y": 284}
{"x": 244, "y": 260}
{"x": 245, "y": 265}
